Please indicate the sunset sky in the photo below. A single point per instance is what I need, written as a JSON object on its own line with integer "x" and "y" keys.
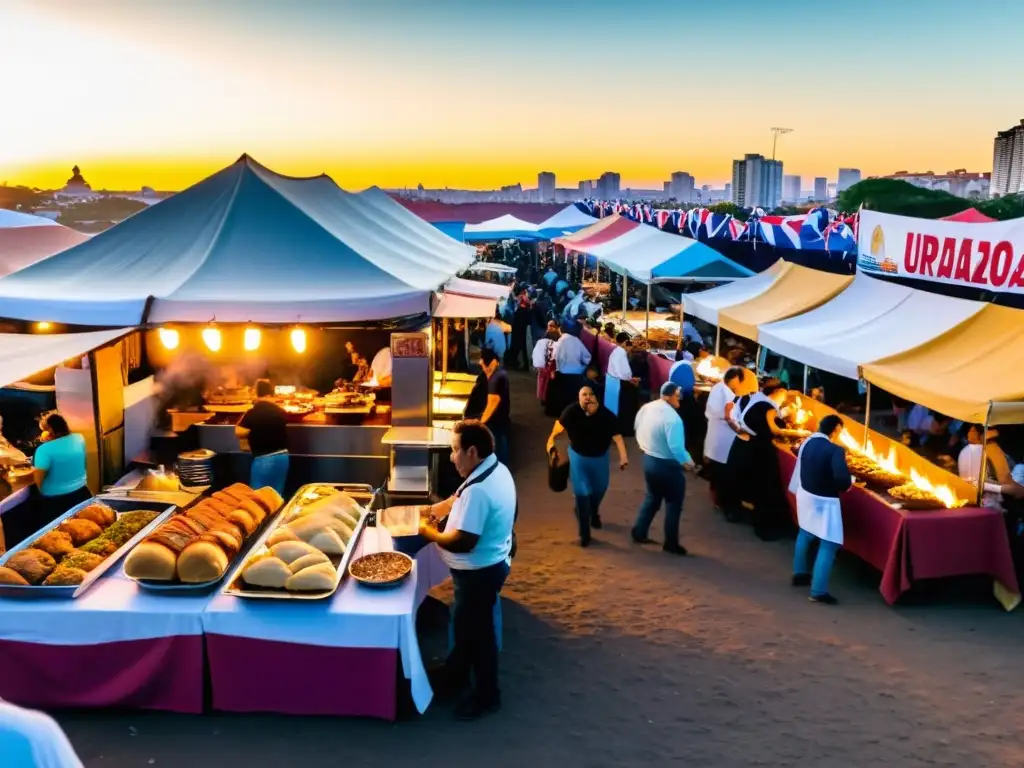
{"x": 479, "y": 93}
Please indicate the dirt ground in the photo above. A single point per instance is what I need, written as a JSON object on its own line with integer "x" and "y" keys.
{"x": 622, "y": 655}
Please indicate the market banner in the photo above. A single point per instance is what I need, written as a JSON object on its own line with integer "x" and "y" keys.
{"x": 988, "y": 256}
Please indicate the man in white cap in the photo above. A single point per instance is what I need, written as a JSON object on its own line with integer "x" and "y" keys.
{"x": 660, "y": 435}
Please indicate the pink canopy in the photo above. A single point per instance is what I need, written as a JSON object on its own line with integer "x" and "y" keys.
{"x": 970, "y": 216}
{"x": 22, "y": 246}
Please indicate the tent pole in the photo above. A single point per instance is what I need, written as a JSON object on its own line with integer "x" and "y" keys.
{"x": 444, "y": 350}
{"x": 805, "y": 378}
{"x": 718, "y": 337}
{"x": 984, "y": 464}
{"x": 466, "y": 330}
{"x": 625, "y": 294}
{"x": 647, "y": 322}
{"x": 679, "y": 342}
{"x": 867, "y": 415}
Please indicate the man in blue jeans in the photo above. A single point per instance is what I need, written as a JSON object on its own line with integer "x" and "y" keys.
{"x": 264, "y": 428}
{"x": 819, "y": 479}
{"x": 660, "y": 435}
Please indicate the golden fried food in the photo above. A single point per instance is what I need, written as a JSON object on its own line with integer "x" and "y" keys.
{"x": 11, "y": 577}
{"x": 65, "y": 577}
{"x": 80, "y": 531}
{"x": 33, "y": 565}
{"x": 83, "y": 561}
{"x": 100, "y": 514}
{"x": 55, "y": 543}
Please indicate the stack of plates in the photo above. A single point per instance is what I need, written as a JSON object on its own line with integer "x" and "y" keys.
{"x": 195, "y": 468}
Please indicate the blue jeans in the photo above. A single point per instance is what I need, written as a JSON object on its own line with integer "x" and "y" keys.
{"x": 590, "y": 476}
{"x": 822, "y": 563}
{"x": 501, "y": 445}
{"x": 271, "y": 470}
{"x": 665, "y": 482}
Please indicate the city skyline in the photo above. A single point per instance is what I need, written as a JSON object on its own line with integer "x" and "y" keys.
{"x": 390, "y": 95}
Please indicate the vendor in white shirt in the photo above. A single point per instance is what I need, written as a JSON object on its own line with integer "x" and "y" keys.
{"x": 380, "y": 366}
{"x": 720, "y": 435}
{"x": 999, "y": 471}
{"x": 476, "y": 544}
{"x": 621, "y": 388}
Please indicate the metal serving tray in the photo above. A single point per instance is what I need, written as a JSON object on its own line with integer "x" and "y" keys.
{"x": 237, "y": 588}
{"x": 119, "y": 506}
{"x": 182, "y": 587}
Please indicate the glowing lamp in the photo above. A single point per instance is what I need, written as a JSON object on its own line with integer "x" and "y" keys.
{"x": 251, "y": 339}
{"x": 43, "y": 326}
{"x": 169, "y": 337}
{"x": 212, "y": 339}
{"x": 298, "y": 337}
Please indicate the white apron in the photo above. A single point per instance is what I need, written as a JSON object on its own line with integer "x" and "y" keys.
{"x": 719, "y": 438}
{"x": 820, "y": 516}
{"x": 757, "y": 397}
{"x": 611, "y": 394}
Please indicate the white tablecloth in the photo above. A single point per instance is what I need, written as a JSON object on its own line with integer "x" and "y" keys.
{"x": 356, "y": 617}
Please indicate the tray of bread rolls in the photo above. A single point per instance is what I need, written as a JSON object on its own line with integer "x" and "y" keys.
{"x": 305, "y": 554}
{"x": 193, "y": 550}
{"x": 63, "y": 559}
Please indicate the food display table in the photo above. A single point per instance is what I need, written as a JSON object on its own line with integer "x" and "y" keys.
{"x": 115, "y": 646}
{"x": 331, "y": 657}
{"x": 907, "y": 546}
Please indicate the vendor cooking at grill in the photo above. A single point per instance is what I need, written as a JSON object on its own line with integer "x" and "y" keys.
{"x": 60, "y": 481}
{"x": 380, "y": 372}
{"x": 264, "y": 428}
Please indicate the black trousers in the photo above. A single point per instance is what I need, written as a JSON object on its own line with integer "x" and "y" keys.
{"x": 475, "y": 651}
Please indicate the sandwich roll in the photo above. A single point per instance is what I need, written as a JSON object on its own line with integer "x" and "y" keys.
{"x": 269, "y": 499}
{"x": 290, "y": 551}
{"x": 257, "y": 512}
{"x": 314, "y": 558}
{"x": 151, "y": 560}
{"x": 316, "y": 578}
{"x": 328, "y": 542}
{"x": 201, "y": 561}
{"x": 243, "y": 520}
{"x": 267, "y": 572}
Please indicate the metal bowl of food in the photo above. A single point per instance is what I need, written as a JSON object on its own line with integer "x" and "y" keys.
{"x": 381, "y": 569}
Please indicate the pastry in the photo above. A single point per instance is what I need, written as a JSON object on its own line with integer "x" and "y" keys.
{"x": 151, "y": 560}
{"x": 11, "y": 577}
{"x": 320, "y": 577}
{"x": 284, "y": 533}
{"x": 65, "y": 577}
{"x": 267, "y": 572}
{"x": 305, "y": 561}
{"x": 257, "y": 512}
{"x": 55, "y": 543}
{"x": 80, "y": 531}
{"x": 100, "y": 514}
{"x": 244, "y": 520}
{"x": 33, "y": 565}
{"x": 269, "y": 499}
{"x": 128, "y": 524}
{"x": 102, "y": 547}
{"x": 328, "y": 542}
{"x": 226, "y": 498}
{"x": 225, "y": 536}
{"x": 205, "y": 516}
{"x": 290, "y": 551}
{"x": 84, "y": 561}
{"x": 222, "y": 507}
{"x": 201, "y": 561}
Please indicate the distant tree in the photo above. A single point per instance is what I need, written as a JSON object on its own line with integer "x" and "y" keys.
{"x": 113, "y": 209}
{"x": 900, "y": 197}
{"x": 19, "y": 198}
{"x": 731, "y": 209}
{"x": 1008, "y": 207}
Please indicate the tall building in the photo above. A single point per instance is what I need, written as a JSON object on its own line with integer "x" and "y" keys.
{"x": 820, "y": 189}
{"x": 586, "y": 189}
{"x": 608, "y": 185}
{"x": 847, "y": 178}
{"x": 791, "y": 188}
{"x": 682, "y": 187}
{"x": 545, "y": 186}
{"x": 1008, "y": 162}
{"x": 728, "y": 192}
{"x": 757, "y": 182}
{"x": 668, "y": 190}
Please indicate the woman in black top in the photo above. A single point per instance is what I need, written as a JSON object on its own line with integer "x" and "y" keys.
{"x": 753, "y": 466}
{"x": 592, "y": 429}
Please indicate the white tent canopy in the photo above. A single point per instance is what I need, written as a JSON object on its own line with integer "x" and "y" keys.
{"x": 706, "y": 304}
{"x": 463, "y": 287}
{"x": 645, "y": 253}
{"x": 10, "y": 219}
{"x": 503, "y": 224}
{"x": 25, "y": 354}
{"x": 457, "y": 305}
{"x": 870, "y": 320}
{"x": 486, "y": 266}
{"x": 569, "y": 218}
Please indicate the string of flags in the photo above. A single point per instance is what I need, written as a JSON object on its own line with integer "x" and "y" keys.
{"x": 820, "y": 229}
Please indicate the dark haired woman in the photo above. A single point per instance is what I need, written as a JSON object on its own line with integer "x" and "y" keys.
{"x": 60, "y": 481}
{"x": 752, "y": 470}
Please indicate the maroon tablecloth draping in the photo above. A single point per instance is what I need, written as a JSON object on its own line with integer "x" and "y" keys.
{"x": 604, "y": 351}
{"x": 657, "y": 368}
{"x": 589, "y": 341}
{"x": 907, "y": 546}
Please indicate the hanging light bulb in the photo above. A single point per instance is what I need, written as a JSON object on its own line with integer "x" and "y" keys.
{"x": 43, "y": 326}
{"x": 298, "y": 340}
{"x": 251, "y": 339}
{"x": 211, "y": 338}
{"x": 169, "y": 337}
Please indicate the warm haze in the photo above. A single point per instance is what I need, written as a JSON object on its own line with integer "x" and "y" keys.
{"x": 479, "y": 93}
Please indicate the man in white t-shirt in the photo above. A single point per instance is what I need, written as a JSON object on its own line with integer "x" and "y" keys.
{"x": 30, "y": 739}
{"x": 476, "y": 544}
{"x": 381, "y": 366}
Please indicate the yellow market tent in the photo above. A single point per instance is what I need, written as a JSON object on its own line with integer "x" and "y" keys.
{"x": 973, "y": 372}
{"x": 798, "y": 289}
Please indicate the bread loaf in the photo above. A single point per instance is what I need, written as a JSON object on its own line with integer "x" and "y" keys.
{"x": 201, "y": 561}
{"x": 283, "y": 533}
{"x": 328, "y": 542}
{"x": 269, "y": 499}
{"x": 313, "y": 558}
{"x": 267, "y": 572}
{"x": 316, "y": 578}
{"x": 151, "y": 560}
{"x": 290, "y": 551}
